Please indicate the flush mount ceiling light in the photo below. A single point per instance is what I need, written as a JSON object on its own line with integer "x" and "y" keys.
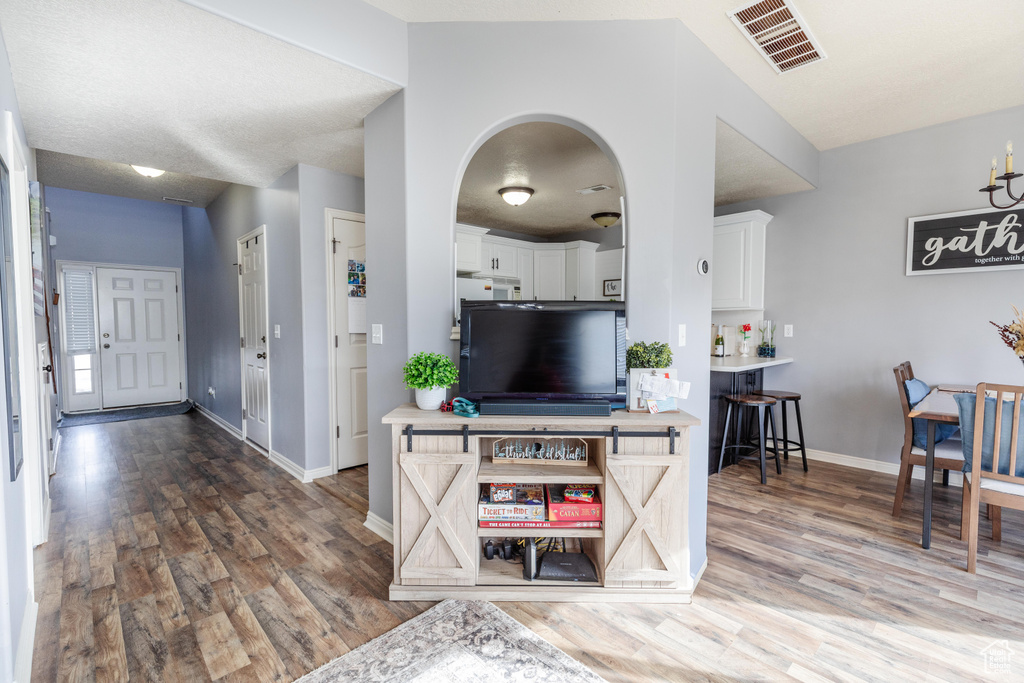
{"x": 146, "y": 171}
{"x": 516, "y": 196}
{"x": 606, "y": 219}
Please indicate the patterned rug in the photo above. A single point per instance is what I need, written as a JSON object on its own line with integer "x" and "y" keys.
{"x": 456, "y": 642}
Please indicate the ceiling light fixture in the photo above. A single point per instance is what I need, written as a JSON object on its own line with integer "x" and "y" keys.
{"x": 146, "y": 171}
{"x": 1008, "y": 176}
{"x": 607, "y": 219}
{"x": 516, "y": 196}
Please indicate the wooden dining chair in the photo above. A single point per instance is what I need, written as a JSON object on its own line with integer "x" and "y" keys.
{"x": 948, "y": 455}
{"x": 999, "y": 482}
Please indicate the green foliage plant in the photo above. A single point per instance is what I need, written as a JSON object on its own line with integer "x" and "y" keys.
{"x": 428, "y": 370}
{"x": 652, "y": 355}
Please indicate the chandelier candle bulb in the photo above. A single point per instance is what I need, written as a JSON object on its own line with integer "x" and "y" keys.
{"x": 1009, "y": 157}
{"x": 992, "y": 175}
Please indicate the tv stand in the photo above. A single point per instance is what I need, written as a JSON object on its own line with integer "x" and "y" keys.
{"x": 531, "y": 406}
{"x": 639, "y": 462}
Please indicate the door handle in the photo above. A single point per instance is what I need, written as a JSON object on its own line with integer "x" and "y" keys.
{"x": 261, "y": 355}
{"x": 106, "y": 346}
{"x": 47, "y": 368}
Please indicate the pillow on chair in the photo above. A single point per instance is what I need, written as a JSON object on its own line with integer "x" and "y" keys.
{"x": 966, "y": 404}
{"x": 916, "y": 391}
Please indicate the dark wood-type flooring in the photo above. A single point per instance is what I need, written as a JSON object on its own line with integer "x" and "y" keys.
{"x": 176, "y": 553}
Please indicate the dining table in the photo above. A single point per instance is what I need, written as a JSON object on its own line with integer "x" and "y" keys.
{"x": 937, "y": 407}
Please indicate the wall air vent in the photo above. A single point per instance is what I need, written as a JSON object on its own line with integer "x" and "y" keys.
{"x": 593, "y": 189}
{"x": 178, "y": 201}
{"x": 779, "y": 33}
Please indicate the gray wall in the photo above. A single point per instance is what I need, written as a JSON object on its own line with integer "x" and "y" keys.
{"x": 15, "y": 575}
{"x": 293, "y": 210}
{"x": 319, "y": 189}
{"x": 100, "y": 228}
{"x": 835, "y": 267}
{"x": 659, "y": 129}
{"x": 386, "y": 254}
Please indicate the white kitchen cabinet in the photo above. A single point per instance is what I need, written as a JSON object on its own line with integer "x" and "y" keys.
{"x": 549, "y": 272}
{"x": 503, "y": 257}
{"x": 525, "y": 273}
{"x": 468, "y": 242}
{"x": 737, "y": 267}
{"x": 579, "y": 271}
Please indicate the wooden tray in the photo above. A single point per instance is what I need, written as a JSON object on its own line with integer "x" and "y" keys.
{"x": 566, "y": 450}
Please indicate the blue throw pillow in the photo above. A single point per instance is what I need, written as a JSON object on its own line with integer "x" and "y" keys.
{"x": 966, "y": 404}
{"x": 916, "y": 391}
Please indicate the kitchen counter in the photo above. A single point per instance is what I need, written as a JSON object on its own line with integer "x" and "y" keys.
{"x": 741, "y": 364}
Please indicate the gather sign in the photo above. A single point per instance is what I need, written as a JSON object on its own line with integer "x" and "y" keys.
{"x": 984, "y": 239}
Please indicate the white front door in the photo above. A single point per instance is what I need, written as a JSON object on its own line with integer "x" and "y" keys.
{"x": 139, "y": 336}
{"x": 252, "y": 287}
{"x": 350, "y": 291}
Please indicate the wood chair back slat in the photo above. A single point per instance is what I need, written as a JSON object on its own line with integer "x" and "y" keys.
{"x": 1014, "y": 433}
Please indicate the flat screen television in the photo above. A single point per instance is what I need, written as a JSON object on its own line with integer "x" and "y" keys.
{"x": 543, "y": 350}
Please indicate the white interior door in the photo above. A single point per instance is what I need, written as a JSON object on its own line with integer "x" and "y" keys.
{"x": 255, "y": 374}
{"x": 350, "y": 292}
{"x": 139, "y": 336}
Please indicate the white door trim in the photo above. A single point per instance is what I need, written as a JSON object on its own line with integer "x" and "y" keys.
{"x": 332, "y": 369}
{"x": 179, "y": 296}
{"x": 261, "y": 230}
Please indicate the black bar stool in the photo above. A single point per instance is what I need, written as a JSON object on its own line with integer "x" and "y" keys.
{"x": 764, "y": 418}
{"x": 785, "y": 398}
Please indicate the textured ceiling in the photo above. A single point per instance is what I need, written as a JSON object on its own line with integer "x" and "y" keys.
{"x": 892, "y": 66}
{"x": 120, "y": 180}
{"x": 744, "y": 171}
{"x": 160, "y": 83}
{"x": 555, "y": 161}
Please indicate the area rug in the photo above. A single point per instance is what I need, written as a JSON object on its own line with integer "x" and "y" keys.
{"x": 456, "y": 641}
{"x": 122, "y": 414}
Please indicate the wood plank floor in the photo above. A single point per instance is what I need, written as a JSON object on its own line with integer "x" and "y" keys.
{"x": 178, "y": 554}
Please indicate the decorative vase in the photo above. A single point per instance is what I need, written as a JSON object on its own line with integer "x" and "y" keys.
{"x": 744, "y": 349}
{"x": 430, "y": 399}
{"x": 766, "y": 352}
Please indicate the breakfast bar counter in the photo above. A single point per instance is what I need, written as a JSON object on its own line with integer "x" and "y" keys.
{"x": 745, "y": 364}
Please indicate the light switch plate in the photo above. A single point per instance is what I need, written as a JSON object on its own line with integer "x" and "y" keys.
{"x": 277, "y": 331}
{"x": 682, "y": 335}
{"x": 376, "y": 333}
{"x": 787, "y": 331}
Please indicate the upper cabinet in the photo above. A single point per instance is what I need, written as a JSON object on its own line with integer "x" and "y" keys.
{"x": 480, "y": 253}
{"x": 579, "y": 271}
{"x": 468, "y": 243}
{"x": 549, "y": 272}
{"x": 737, "y": 268}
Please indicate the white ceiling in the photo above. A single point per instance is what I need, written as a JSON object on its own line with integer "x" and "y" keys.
{"x": 892, "y": 66}
{"x": 744, "y": 171}
{"x": 163, "y": 84}
{"x": 554, "y": 160}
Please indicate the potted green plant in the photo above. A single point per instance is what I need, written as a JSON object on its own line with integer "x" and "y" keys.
{"x": 645, "y": 358}
{"x": 430, "y": 374}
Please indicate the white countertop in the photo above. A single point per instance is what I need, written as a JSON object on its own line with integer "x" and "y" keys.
{"x": 741, "y": 364}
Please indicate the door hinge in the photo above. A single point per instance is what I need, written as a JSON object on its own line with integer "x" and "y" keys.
{"x": 334, "y": 246}
{"x": 51, "y": 444}
{"x": 243, "y": 342}
{"x": 244, "y": 414}
{"x": 179, "y": 337}
{"x": 337, "y": 432}
{"x": 335, "y": 341}
{"x": 175, "y": 289}
{"x": 239, "y": 268}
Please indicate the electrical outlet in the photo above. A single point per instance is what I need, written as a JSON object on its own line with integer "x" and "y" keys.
{"x": 787, "y": 331}
{"x": 211, "y": 391}
{"x": 277, "y": 331}
{"x": 376, "y": 333}
{"x": 682, "y": 335}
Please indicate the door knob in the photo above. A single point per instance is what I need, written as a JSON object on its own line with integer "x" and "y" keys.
{"x": 261, "y": 355}
{"x": 106, "y": 346}
{"x": 47, "y": 368}
{"x": 106, "y": 334}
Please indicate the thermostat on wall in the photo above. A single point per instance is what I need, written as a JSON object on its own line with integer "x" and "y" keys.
{"x": 703, "y": 267}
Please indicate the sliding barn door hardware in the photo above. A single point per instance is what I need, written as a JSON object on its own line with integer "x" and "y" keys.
{"x": 671, "y": 433}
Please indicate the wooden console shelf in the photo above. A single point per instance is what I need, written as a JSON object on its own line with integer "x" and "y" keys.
{"x": 639, "y": 462}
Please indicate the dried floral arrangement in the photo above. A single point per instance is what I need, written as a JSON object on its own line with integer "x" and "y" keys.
{"x": 1012, "y": 334}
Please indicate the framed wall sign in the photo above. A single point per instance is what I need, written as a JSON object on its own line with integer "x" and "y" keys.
{"x": 966, "y": 241}
{"x": 612, "y": 287}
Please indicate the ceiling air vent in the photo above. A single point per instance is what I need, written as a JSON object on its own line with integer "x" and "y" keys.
{"x": 593, "y": 189}
{"x": 779, "y": 33}
{"x": 178, "y": 201}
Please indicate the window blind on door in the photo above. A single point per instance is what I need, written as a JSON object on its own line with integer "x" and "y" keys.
{"x": 79, "y": 312}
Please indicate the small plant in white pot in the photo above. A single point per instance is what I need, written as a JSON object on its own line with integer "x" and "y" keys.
{"x": 430, "y": 374}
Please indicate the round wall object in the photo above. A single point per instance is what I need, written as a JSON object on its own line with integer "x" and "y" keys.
{"x": 703, "y": 267}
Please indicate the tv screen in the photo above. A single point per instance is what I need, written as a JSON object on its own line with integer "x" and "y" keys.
{"x": 557, "y": 349}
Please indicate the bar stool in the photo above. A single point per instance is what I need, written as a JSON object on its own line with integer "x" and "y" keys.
{"x": 785, "y": 398}
{"x": 764, "y": 418}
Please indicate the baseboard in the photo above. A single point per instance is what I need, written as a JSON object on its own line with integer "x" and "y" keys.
{"x": 317, "y": 474}
{"x": 288, "y": 466}
{"x": 893, "y": 468}
{"x": 26, "y": 643}
{"x": 57, "y": 440}
{"x": 700, "y": 573}
{"x": 219, "y": 421}
{"x": 379, "y": 526}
